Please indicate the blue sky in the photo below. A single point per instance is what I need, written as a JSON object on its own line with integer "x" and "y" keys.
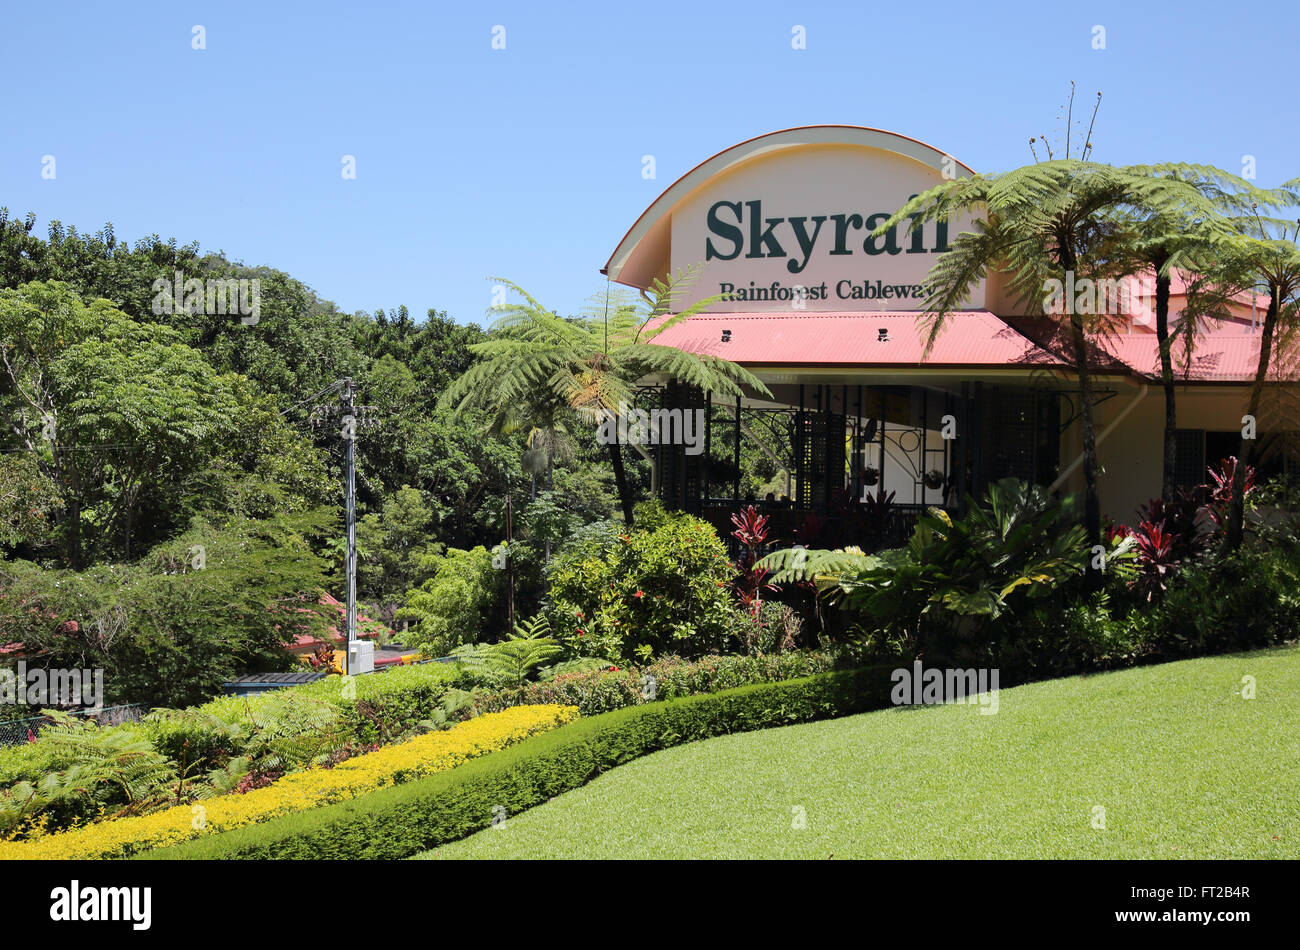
{"x": 526, "y": 162}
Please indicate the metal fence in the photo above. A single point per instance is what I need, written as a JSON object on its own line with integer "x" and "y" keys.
{"x": 23, "y": 730}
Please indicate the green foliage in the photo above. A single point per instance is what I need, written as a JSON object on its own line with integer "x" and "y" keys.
{"x": 360, "y": 711}
{"x": 609, "y": 687}
{"x": 581, "y": 664}
{"x": 392, "y": 546}
{"x": 955, "y": 577}
{"x": 108, "y": 407}
{"x": 512, "y": 661}
{"x": 448, "y": 609}
{"x": 1245, "y": 600}
{"x": 662, "y": 586}
{"x": 27, "y": 496}
{"x": 218, "y": 601}
{"x": 88, "y": 770}
{"x": 1052, "y": 639}
{"x": 406, "y": 819}
{"x": 280, "y": 737}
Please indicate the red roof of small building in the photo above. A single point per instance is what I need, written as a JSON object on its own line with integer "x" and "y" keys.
{"x": 302, "y": 640}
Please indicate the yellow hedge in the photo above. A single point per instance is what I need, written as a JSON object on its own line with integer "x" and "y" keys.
{"x": 299, "y": 791}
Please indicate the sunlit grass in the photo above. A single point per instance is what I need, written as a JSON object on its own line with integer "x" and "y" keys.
{"x": 1182, "y": 764}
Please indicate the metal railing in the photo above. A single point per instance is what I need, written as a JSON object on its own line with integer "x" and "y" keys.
{"x": 13, "y": 731}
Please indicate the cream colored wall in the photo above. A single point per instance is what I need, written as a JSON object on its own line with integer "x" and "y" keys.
{"x": 1132, "y": 454}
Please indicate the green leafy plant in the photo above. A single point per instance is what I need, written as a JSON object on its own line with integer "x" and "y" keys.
{"x": 514, "y": 659}
{"x": 448, "y": 609}
{"x": 117, "y": 771}
{"x": 955, "y": 576}
{"x": 664, "y": 586}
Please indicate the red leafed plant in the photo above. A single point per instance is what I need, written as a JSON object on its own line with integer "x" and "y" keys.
{"x": 751, "y": 528}
{"x": 751, "y": 533}
{"x": 322, "y": 658}
{"x": 1221, "y": 494}
{"x": 1155, "y": 548}
{"x": 1186, "y": 516}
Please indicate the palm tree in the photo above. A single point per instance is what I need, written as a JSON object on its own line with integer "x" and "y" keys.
{"x": 1265, "y": 252}
{"x": 1163, "y": 244}
{"x": 591, "y": 363}
{"x": 548, "y": 426}
{"x": 1050, "y": 221}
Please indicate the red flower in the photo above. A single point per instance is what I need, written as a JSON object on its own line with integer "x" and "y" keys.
{"x": 639, "y": 593}
{"x": 580, "y": 632}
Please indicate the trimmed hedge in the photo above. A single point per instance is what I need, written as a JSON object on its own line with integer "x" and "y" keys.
{"x": 404, "y": 820}
{"x": 601, "y": 691}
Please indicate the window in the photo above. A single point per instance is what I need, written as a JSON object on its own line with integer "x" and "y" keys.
{"x": 1189, "y": 461}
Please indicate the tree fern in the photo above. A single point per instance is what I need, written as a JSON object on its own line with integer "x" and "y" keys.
{"x": 591, "y": 363}
{"x": 1059, "y": 219}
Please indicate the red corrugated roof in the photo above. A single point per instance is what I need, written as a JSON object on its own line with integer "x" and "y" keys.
{"x": 1229, "y": 356}
{"x": 844, "y": 338}
{"x": 973, "y": 338}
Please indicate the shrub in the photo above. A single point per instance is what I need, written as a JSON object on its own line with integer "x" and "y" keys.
{"x": 1061, "y": 638}
{"x": 421, "y": 756}
{"x": 374, "y": 708}
{"x": 447, "y": 610}
{"x": 942, "y": 593}
{"x": 88, "y": 770}
{"x": 399, "y": 822}
{"x": 165, "y": 629}
{"x": 512, "y": 661}
{"x": 1247, "y": 600}
{"x": 777, "y": 627}
{"x": 669, "y": 678}
{"x": 663, "y": 588}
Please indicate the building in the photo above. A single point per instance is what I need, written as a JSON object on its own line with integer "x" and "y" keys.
{"x": 828, "y": 319}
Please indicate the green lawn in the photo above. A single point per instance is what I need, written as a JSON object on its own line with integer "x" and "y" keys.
{"x": 1182, "y": 764}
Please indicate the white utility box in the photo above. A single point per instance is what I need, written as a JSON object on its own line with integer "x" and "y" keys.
{"x": 361, "y": 657}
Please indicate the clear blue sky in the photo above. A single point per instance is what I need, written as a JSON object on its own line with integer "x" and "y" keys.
{"x": 526, "y": 162}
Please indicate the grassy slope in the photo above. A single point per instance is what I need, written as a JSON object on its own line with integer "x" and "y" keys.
{"x": 1183, "y": 765}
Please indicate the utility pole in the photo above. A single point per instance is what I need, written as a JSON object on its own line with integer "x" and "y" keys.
{"x": 349, "y": 431}
{"x": 351, "y": 418}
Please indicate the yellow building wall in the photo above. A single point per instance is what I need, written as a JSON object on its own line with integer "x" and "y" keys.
{"x": 1132, "y": 454}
